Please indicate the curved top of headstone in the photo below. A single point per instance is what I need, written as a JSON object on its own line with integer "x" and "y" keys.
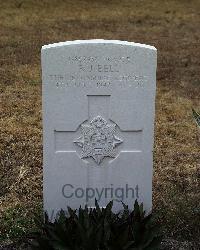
{"x": 97, "y": 41}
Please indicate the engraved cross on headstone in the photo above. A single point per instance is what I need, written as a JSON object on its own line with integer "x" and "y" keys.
{"x": 98, "y": 137}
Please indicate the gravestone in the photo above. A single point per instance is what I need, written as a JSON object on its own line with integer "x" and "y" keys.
{"x": 98, "y": 122}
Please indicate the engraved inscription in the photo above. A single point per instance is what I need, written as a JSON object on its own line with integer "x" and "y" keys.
{"x": 98, "y": 68}
{"x": 89, "y": 81}
{"x": 98, "y": 140}
{"x": 89, "y": 59}
{"x": 99, "y": 72}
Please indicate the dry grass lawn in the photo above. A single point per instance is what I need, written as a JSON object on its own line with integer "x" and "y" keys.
{"x": 173, "y": 27}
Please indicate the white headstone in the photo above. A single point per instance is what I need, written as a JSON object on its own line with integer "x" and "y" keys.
{"x": 98, "y": 123}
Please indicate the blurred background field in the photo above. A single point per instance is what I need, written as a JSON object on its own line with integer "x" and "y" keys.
{"x": 172, "y": 27}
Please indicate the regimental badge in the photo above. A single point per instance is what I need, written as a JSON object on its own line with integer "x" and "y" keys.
{"x": 98, "y": 140}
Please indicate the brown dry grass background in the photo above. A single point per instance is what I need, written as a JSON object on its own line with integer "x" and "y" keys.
{"x": 173, "y": 27}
